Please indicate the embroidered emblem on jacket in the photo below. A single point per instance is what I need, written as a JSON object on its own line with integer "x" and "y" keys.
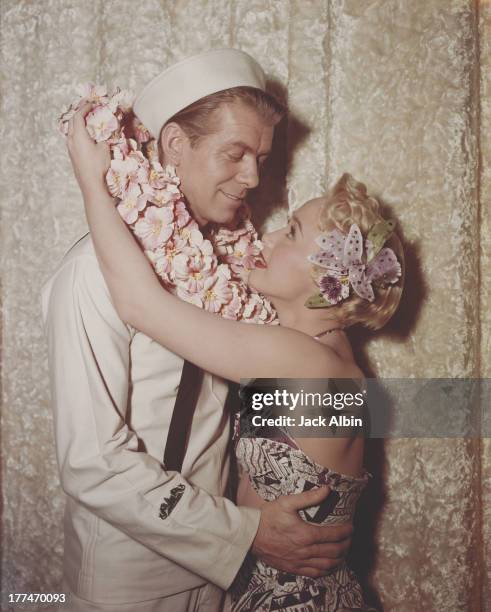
{"x": 170, "y": 502}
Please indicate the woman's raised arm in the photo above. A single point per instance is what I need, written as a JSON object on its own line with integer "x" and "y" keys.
{"x": 230, "y": 349}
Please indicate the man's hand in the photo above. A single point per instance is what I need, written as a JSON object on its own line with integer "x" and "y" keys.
{"x": 290, "y": 544}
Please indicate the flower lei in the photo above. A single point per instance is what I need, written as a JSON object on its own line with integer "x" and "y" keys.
{"x": 208, "y": 272}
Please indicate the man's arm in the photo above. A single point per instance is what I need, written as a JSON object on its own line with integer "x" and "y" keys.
{"x": 101, "y": 467}
{"x": 98, "y": 457}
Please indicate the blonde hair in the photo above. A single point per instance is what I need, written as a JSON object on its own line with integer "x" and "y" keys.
{"x": 347, "y": 203}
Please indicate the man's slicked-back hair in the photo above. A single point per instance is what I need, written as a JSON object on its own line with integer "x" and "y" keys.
{"x": 198, "y": 119}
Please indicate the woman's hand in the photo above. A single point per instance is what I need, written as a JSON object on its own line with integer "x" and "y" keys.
{"x": 90, "y": 160}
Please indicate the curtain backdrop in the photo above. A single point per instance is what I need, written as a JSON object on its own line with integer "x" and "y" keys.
{"x": 396, "y": 93}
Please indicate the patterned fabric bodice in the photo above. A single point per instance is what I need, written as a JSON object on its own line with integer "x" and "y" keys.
{"x": 279, "y": 467}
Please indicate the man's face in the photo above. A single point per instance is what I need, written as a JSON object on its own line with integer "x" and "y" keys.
{"x": 218, "y": 171}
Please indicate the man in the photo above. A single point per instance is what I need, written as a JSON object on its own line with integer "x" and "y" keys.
{"x": 133, "y": 541}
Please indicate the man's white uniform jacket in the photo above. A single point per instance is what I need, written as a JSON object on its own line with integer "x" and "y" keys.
{"x": 133, "y": 531}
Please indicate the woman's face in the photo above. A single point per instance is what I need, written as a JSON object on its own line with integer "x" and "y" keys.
{"x": 287, "y": 275}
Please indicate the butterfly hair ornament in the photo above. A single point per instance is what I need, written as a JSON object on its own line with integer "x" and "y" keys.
{"x": 341, "y": 263}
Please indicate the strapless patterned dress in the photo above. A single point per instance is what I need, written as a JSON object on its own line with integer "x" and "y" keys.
{"x": 278, "y": 467}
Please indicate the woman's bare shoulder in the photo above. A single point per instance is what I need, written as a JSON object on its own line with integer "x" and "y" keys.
{"x": 325, "y": 362}
{"x": 299, "y": 355}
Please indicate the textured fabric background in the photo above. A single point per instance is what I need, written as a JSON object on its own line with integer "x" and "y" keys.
{"x": 395, "y": 92}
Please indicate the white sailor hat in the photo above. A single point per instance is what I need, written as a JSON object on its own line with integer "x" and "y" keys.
{"x": 192, "y": 79}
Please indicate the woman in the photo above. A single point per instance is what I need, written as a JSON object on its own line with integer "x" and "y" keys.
{"x": 315, "y": 299}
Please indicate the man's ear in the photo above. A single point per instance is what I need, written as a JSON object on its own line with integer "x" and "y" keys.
{"x": 172, "y": 140}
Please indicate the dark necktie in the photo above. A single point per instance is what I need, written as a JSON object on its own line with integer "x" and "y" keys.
{"x": 182, "y": 417}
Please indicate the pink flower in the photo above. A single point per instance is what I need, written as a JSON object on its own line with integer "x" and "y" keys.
{"x": 182, "y": 215}
{"x": 258, "y": 310}
{"x": 245, "y": 253}
{"x": 133, "y": 202}
{"x": 120, "y": 147}
{"x": 196, "y": 240}
{"x": 216, "y": 293}
{"x": 141, "y": 173}
{"x": 141, "y": 133}
{"x": 333, "y": 288}
{"x": 163, "y": 257}
{"x": 233, "y": 309}
{"x": 222, "y": 250}
{"x": 192, "y": 270}
{"x": 165, "y": 191}
{"x": 233, "y": 231}
{"x": 156, "y": 177}
{"x": 162, "y": 266}
{"x": 126, "y": 170}
{"x": 119, "y": 175}
{"x": 239, "y": 246}
{"x": 225, "y": 236}
{"x": 250, "y": 306}
{"x": 192, "y": 298}
{"x": 155, "y": 227}
{"x": 101, "y": 123}
{"x": 163, "y": 197}
{"x": 184, "y": 233}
